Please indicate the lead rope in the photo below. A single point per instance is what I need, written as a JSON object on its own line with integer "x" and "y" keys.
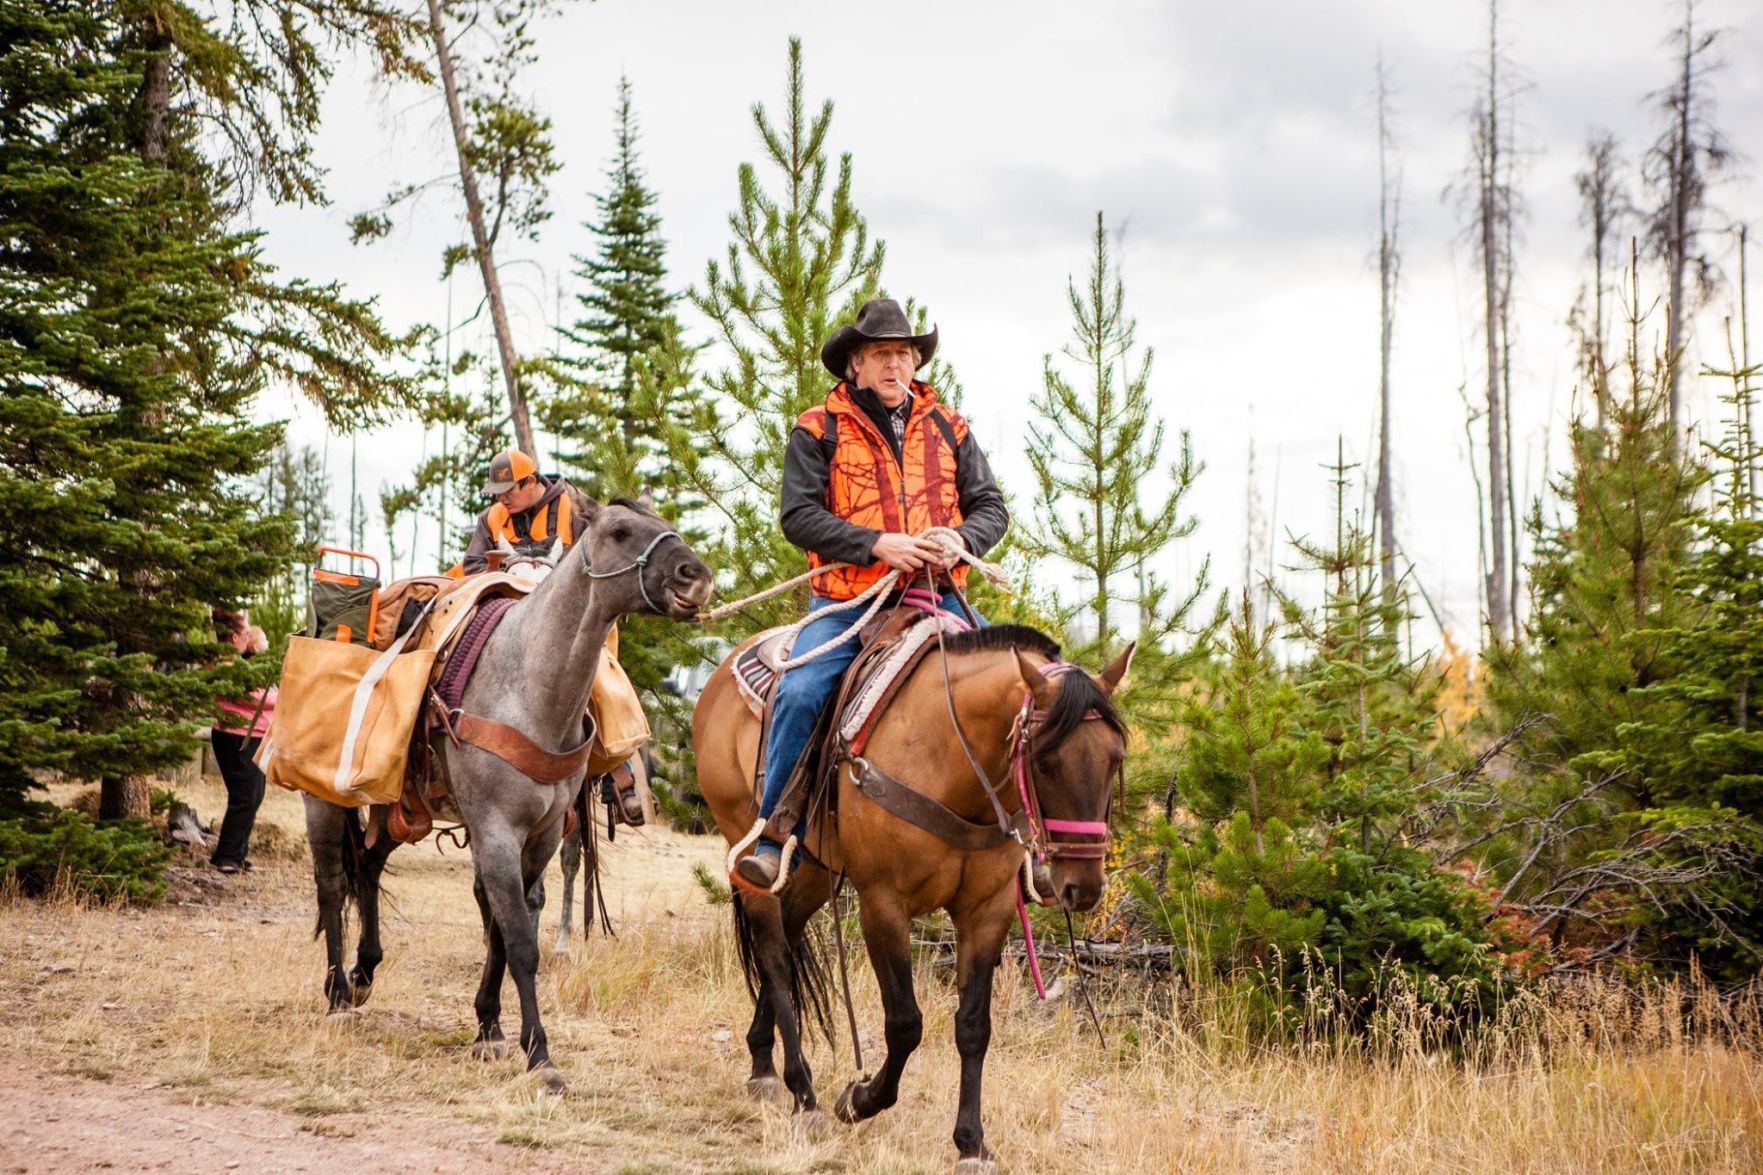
{"x": 995, "y": 575}
{"x": 844, "y": 973}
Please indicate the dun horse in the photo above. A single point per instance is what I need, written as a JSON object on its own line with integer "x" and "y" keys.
{"x": 534, "y": 675}
{"x": 1022, "y": 713}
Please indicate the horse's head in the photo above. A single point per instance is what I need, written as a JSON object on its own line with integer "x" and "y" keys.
{"x": 639, "y": 560}
{"x": 528, "y": 564}
{"x": 1074, "y": 745}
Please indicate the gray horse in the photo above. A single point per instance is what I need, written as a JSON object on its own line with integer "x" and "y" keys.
{"x": 534, "y": 674}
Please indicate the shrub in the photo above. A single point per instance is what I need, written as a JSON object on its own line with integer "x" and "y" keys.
{"x": 49, "y": 850}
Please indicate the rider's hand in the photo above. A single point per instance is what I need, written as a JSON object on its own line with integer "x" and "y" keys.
{"x": 950, "y": 546}
{"x": 904, "y": 552}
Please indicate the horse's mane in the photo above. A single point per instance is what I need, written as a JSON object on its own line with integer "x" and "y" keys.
{"x": 1002, "y": 637}
{"x": 631, "y": 504}
{"x": 1078, "y": 695}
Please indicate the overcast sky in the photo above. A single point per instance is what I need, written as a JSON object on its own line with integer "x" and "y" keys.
{"x": 1232, "y": 146}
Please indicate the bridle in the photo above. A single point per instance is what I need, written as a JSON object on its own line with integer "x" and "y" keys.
{"x": 1051, "y": 838}
{"x": 637, "y": 565}
{"x": 1048, "y": 839}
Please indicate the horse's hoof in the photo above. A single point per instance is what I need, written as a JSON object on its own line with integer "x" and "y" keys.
{"x": 975, "y": 1165}
{"x": 764, "y": 1089}
{"x": 843, "y": 1107}
{"x": 341, "y": 1011}
{"x": 550, "y": 1080}
{"x": 359, "y": 993}
{"x": 489, "y": 1050}
{"x": 809, "y": 1124}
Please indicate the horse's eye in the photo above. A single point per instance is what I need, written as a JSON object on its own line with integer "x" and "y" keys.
{"x": 620, "y": 533}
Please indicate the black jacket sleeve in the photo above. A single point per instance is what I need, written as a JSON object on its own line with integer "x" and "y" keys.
{"x": 984, "y": 517}
{"x": 806, "y": 520}
{"x": 476, "y": 553}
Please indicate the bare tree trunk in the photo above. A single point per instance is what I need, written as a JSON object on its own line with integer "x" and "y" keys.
{"x": 1388, "y": 266}
{"x": 1677, "y": 244}
{"x": 474, "y": 211}
{"x": 1491, "y": 243}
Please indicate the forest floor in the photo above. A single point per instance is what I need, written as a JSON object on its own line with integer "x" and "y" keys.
{"x": 192, "y": 1035}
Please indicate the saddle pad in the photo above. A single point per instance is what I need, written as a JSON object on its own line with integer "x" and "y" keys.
{"x": 463, "y": 659}
{"x": 756, "y": 669}
{"x": 866, "y": 701}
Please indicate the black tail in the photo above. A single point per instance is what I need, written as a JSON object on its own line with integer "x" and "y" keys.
{"x": 354, "y": 849}
{"x": 809, "y": 978}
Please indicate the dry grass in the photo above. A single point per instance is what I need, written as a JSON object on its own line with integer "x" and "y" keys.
{"x": 215, "y": 1001}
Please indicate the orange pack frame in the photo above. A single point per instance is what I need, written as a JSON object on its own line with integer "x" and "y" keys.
{"x": 322, "y": 575}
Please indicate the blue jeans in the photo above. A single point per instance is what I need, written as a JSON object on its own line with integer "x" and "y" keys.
{"x": 807, "y": 689}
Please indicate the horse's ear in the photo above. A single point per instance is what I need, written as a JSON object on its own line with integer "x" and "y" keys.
{"x": 1033, "y": 678}
{"x": 1116, "y": 671}
{"x": 590, "y": 509}
{"x": 646, "y": 500}
{"x": 555, "y": 554}
{"x": 503, "y": 545}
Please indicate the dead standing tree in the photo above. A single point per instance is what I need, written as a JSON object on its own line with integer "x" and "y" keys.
{"x": 1488, "y": 193}
{"x": 1678, "y": 169}
{"x": 1389, "y": 266}
{"x": 1604, "y": 207}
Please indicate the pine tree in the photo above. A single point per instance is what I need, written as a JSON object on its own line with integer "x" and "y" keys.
{"x": 1577, "y": 838}
{"x": 140, "y": 328}
{"x": 1390, "y": 905}
{"x": 1094, "y": 444}
{"x": 801, "y": 262}
{"x": 1242, "y": 888}
{"x": 626, "y": 313}
{"x": 1702, "y": 749}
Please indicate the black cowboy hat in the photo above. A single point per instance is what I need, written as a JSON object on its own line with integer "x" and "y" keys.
{"x": 880, "y": 318}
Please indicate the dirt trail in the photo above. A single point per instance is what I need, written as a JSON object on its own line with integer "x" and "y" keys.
{"x": 51, "y": 1122}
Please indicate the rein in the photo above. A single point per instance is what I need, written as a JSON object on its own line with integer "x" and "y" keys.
{"x": 1041, "y": 845}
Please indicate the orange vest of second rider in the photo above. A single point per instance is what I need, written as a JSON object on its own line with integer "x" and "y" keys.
{"x": 868, "y": 486}
{"x": 553, "y": 520}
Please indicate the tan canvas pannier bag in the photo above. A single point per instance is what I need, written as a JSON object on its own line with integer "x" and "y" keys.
{"x": 620, "y": 726}
{"x": 344, "y": 718}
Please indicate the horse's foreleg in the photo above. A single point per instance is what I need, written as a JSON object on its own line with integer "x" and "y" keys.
{"x": 979, "y": 944}
{"x": 367, "y": 895}
{"x": 509, "y": 871}
{"x": 489, "y": 1043}
{"x": 570, "y": 857}
{"x": 886, "y": 933}
{"x": 325, "y": 834}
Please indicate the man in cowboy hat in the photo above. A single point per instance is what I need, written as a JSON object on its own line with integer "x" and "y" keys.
{"x": 866, "y": 475}
{"x": 526, "y": 509}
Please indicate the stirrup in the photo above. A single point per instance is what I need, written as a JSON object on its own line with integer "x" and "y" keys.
{"x": 784, "y": 858}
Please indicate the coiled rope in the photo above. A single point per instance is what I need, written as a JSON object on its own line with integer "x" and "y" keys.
{"x": 874, "y": 595}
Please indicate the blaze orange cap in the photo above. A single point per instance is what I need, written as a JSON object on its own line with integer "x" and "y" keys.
{"x": 506, "y": 469}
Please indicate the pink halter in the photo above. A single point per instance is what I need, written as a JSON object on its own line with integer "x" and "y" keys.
{"x": 1045, "y": 830}
{"x": 1042, "y": 844}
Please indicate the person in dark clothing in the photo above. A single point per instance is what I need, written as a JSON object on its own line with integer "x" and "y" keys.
{"x": 235, "y": 738}
{"x": 887, "y": 478}
{"x": 528, "y": 510}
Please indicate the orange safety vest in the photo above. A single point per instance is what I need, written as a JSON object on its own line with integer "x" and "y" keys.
{"x": 866, "y": 486}
{"x": 555, "y": 519}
